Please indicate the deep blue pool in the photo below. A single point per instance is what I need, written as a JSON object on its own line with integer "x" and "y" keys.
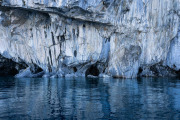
{"x": 80, "y": 98}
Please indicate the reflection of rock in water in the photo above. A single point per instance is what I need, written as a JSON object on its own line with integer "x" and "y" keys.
{"x": 89, "y": 98}
{"x": 92, "y": 82}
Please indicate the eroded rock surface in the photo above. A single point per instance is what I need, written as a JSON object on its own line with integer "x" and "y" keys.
{"x": 76, "y": 37}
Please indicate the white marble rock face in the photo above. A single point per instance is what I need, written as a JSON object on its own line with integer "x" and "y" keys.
{"x": 75, "y": 37}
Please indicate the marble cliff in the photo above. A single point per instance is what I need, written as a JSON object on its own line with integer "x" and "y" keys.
{"x": 118, "y": 38}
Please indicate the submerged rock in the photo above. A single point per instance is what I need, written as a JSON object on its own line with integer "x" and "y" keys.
{"x": 29, "y": 73}
{"x": 91, "y": 76}
{"x": 71, "y": 75}
{"x": 24, "y": 73}
{"x": 104, "y": 76}
{"x": 92, "y": 37}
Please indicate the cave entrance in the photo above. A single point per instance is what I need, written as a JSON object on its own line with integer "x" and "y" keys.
{"x": 140, "y": 71}
{"x": 178, "y": 73}
{"x": 92, "y": 70}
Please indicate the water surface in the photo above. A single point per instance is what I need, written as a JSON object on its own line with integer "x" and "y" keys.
{"x": 80, "y": 98}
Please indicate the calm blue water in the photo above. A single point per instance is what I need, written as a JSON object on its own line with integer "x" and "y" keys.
{"x": 80, "y": 98}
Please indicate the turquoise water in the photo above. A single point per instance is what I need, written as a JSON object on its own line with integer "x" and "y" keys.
{"x": 80, "y": 98}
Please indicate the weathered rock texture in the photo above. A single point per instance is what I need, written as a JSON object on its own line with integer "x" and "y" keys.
{"x": 120, "y": 38}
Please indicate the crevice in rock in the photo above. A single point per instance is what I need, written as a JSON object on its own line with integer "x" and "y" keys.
{"x": 92, "y": 70}
{"x": 75, "y": 53}
{"x": 35, "y": 69}
{"x": 49, "y": 66}
{"x": 63, "y": 38}
{"x": 77, "y": 34}
{"x": 53, "y": 38}
{"x": 50, "y": 57}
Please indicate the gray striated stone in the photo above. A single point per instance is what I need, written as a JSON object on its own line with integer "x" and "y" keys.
{"x": 173, "y": 59}
{"x": 113, "y": 37}
{"x": 157, "y": 70}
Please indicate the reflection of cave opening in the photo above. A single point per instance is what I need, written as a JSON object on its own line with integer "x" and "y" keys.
{"x": 92, "y": 70}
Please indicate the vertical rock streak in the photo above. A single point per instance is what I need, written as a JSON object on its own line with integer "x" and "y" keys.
{"x": 121, "y": 38}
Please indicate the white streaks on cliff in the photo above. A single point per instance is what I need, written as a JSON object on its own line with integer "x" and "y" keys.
{"x": 71, "y": 36}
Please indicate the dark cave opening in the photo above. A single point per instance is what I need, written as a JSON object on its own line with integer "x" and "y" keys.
{"x": 10, "y": 68}
{"x": 84, "y": 25}
{"x": 92, "y": 70}
{"x": 140, "y": 71}
{"x": 8, "y": 71}
{"x": 178, "y": 73}
{"x": 74, "y": 69}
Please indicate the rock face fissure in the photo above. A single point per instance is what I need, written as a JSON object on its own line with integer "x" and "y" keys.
{"x": 118, "y": 38}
